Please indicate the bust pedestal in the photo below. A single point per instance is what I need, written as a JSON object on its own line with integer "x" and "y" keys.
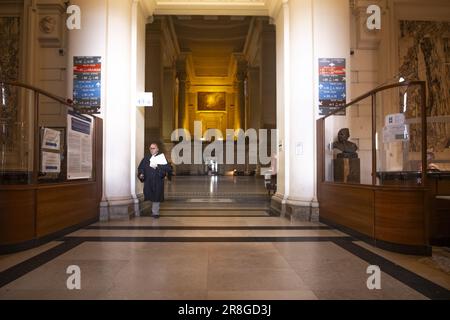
{"x": 347, "y": 169}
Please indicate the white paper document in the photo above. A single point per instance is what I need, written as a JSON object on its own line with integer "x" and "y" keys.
{"x": 79, "y": 147}
{"x": 156, "y": 160}
{"x": 51, "y": 162}
{"x": 51, "y": 139}
{"x": 394, "y": 119}
{"x": 394, "y": 133}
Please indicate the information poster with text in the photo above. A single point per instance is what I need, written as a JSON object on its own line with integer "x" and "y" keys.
{"x": 79, "y": 146}
{"x": 87, "y": 83}
{"x": 332, "y": 85}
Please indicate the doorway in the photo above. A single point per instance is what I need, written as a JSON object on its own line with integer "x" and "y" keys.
{"x": 212, "y": 76}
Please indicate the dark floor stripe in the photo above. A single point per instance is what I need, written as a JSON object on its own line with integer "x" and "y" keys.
{"x": 416, "y": 282}
{"x": 412, "y": 280}
{"x": 209, "y": 239}
{"x": 208, "y": 228}
{"x": 19, "y": 270}
{"x": 212, "y": 215}
{"x": 209, "y": 209}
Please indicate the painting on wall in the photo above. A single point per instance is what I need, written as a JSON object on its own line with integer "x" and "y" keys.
{"x": 424, "y": 53}
{"x": 211, "y": 101}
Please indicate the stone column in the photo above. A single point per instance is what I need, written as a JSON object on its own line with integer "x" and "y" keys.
{"x": 303, "y": 36}
{"x": 268, "y": 76}
{"x": 182, "y": 108}
{"x": 254, "y": 106}
{"x": 168, "y": 113}
{"x": 153, "y": 80}
{"x": 106, "y": 31}
{"x": 241, "y": 75}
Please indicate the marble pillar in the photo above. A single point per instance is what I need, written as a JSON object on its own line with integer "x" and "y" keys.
{"x": 254, "y": 110}
{"x": 303, "y": 36}
{"x": 182, "y": 78}
{"x": 241, "y": 76}
{"x": 107, "y": 31}
{"x": 153, "y": 81}
{"x": 168, "y": 114}
{"x": 268, "y": 76}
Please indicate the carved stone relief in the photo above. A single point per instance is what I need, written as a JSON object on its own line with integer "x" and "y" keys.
{"x": 424, "y": 53}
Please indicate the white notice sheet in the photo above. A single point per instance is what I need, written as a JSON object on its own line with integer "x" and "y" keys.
{"x": 79, "y": 146}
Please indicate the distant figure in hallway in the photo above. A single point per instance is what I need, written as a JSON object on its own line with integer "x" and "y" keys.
{"x": 151, "y": 171}
{"x": 348, "y": 148}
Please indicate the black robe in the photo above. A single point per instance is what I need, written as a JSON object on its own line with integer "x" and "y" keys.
{"x": 153, "y": 179}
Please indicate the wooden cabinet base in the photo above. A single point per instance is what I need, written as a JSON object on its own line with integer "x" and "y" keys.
{"x": 33, "y": 215}
{"x": 391, "y": 218}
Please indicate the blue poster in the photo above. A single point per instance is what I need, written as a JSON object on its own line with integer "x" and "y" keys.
{"x": 332, "y": 85}
{"x": 87, "y": 83}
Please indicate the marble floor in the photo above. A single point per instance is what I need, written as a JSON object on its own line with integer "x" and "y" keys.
{"x": 209, "y": 249}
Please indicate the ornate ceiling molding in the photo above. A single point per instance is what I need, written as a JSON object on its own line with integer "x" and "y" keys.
{"x": 213, "y": 7}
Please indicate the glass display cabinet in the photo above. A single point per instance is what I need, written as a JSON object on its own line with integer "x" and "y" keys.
{"x": 381, "y": 176}
{"x": 50, "y": 167}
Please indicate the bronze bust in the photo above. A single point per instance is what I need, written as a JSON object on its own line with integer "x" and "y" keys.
{"x": 348, "y": 148}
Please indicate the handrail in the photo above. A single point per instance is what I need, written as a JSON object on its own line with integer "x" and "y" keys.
{"x": 375, "y": 91}
{"x": 61, "y": 100}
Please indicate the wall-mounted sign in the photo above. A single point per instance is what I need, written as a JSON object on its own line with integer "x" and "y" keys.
{"x": 332, "y": 85}
{"x": 87, "y": 83}
{"x": 79, "y": 146}
{"x": 145, "y": 99}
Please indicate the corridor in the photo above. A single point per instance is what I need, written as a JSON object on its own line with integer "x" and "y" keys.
{"x": 221, "y": 246}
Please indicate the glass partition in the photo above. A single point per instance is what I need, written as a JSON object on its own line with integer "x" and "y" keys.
{"x": 380, "y": 137}
{"x": 52, "y": 146}
{"x": 16, "y": 138}
{"x": 399, "y": 136}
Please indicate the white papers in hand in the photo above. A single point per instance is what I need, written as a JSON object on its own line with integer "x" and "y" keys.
{"x": 156, "y": 160}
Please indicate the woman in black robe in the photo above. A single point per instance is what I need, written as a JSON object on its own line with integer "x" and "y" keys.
{"x": 151, "y": 171}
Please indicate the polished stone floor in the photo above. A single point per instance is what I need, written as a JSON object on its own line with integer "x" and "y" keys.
{"x": 218, "y": 243}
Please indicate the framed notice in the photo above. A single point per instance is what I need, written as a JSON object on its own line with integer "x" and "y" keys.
{"x": 79, "y": 146}
{"x": 332, "y": 85}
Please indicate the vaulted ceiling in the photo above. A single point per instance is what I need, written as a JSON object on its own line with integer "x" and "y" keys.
{"x": 211, "y": 41}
